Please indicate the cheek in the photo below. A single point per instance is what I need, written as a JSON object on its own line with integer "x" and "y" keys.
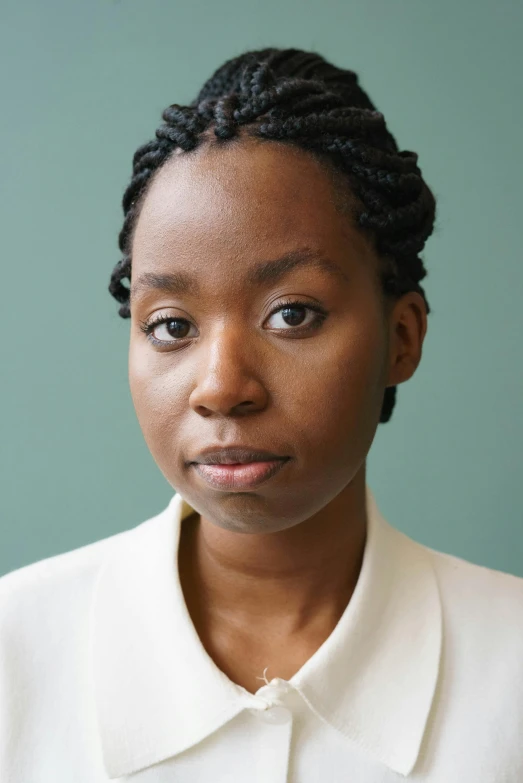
{"x": 158, "y": 397}
{"x": 336, "y": 399}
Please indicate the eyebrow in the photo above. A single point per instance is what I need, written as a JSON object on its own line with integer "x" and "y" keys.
{"x": 180, "y": 283}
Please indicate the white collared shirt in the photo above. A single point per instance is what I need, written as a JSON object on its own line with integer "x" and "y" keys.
{"x": 103, "y": 675}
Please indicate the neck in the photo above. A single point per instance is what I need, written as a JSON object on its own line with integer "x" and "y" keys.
{"x": 290, "y": 582}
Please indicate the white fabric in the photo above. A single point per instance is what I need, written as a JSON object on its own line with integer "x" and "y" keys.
{"x": 103, "y": 676}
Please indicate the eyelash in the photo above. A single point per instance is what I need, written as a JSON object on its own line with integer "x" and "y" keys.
{"x": 148, "y": 326}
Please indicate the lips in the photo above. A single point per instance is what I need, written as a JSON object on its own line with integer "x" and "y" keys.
{"x": 239, "y": 476}
{"x": 234, "y": 454}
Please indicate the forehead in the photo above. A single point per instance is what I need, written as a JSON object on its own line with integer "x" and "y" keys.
{"x": 233, "y": 203}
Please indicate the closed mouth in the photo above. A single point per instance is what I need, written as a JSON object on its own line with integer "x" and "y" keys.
{"x": 239, "y": 475}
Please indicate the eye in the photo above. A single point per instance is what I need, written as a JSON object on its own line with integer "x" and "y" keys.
{"x": 162, "y": 327}
{"x": 294, "y": 315}
{"x": 164, "y": 330}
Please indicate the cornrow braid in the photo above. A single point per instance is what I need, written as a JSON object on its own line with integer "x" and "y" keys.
{"x": 297, "y": 97}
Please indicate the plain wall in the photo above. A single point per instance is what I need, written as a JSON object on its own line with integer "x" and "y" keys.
{"x": 84, "y": 83}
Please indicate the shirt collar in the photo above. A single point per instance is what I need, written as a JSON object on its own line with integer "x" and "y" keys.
{"x": 158, "y": 692}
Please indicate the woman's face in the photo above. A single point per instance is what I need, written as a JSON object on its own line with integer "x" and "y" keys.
{"x": 232, "y": 365}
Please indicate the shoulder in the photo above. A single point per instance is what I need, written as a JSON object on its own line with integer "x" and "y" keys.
{"x": 61, "y": 586}
{"x": 474, "y": 583}
{"x": 479, "y": 688}
{"x": 482, "y": 609}
{"x": 51, "y": 572}
{"x": 44, "y": 631}
{"x": 30, "y": 594}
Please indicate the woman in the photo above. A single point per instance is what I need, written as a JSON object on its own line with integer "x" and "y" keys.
{"x": 269, "y": 624}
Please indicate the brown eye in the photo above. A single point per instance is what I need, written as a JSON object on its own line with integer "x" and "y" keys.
{"x": 166, "y": 330}
{"x": 174, "y": 327}
{"x": 294, "y": 315}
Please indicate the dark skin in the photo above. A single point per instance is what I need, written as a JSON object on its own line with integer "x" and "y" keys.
{"x": 266, "y": 572}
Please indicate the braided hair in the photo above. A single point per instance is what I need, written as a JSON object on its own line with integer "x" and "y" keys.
{"x": 298, "y": 97}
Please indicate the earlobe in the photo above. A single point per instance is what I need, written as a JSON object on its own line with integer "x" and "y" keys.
{"x": 407, "y": 330}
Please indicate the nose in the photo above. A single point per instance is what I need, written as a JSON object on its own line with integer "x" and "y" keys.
{"x": 227, "y": 372}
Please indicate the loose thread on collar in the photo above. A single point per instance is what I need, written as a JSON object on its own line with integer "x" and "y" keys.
{"x": 264, "y": 678}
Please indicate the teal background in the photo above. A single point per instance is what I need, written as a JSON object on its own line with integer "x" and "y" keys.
{"x": 84, "y": 83}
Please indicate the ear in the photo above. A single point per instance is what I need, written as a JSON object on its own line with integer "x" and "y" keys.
{"x": 407, "y": 329}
